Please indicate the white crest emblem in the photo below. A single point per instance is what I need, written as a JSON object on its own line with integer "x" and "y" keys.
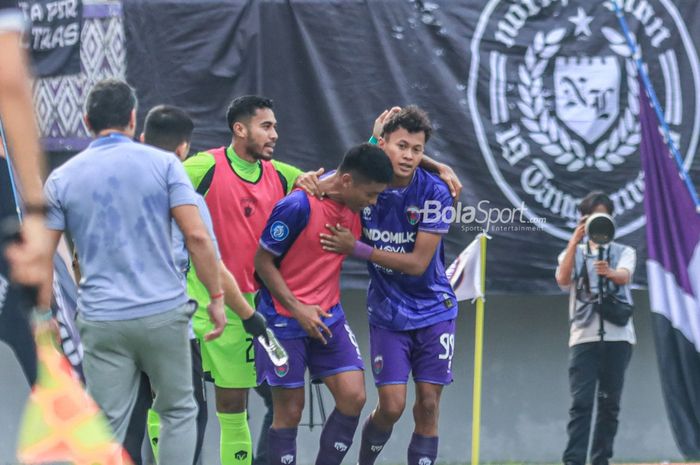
{"x": 587, "y": 94}
{"x": 287, "y": 459}
{"x": 568, "y": 108}
{"x": 340, "y": 446}
{"x": 425, "y": 461}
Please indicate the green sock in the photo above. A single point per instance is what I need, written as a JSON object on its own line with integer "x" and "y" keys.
{"x": 236, "y": 446}
{"x": 153, "y": 427}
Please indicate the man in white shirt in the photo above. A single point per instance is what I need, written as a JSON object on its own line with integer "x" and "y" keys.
{"x": 595, "y": 359}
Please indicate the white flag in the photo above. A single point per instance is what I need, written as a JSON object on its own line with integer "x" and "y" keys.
{"x": 465, "y": 272}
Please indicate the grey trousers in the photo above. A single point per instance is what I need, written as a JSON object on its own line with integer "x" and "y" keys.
{"x": 116, "y": 352}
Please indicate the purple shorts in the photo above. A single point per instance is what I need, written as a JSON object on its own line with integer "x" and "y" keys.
{"x": 339, "y": 355}
{"x": 426, "y": 351}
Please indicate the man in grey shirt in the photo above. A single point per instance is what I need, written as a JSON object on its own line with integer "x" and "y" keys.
{"x": 117, "y": 199}
{"x": 597, "y": 363}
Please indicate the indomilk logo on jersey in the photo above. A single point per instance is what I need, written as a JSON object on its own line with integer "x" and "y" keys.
{"x": 554, "y": 96}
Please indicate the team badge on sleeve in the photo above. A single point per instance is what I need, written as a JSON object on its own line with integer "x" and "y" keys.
{"x": 279, "y": 231}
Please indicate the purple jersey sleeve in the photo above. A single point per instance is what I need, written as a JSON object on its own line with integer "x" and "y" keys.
{"x": 438, "y": 198}
{"x": 289, "y": 217}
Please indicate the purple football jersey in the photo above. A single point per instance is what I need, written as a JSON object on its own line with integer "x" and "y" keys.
{"x": 396, "y": 300}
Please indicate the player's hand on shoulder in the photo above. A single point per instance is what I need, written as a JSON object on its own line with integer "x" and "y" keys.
{"x": 309, "y": 318}
{"x": 448, "y": 175}
{"x": 339, "y": 240}
{"x": 309, "y": 182}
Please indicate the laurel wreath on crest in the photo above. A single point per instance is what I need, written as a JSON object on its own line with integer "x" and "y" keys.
{"x": 546, "y": 130}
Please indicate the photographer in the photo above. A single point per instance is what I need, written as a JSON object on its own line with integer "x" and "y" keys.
{"x": 599, "y": 353}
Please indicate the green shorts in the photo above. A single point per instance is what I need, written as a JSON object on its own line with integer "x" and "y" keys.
{"x": 230, "y": 358}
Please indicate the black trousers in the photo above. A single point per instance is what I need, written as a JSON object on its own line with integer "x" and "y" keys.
{"x": 601, "y": 365}
{"x": 137, "y": 425}
{"x": 16, "y": 303}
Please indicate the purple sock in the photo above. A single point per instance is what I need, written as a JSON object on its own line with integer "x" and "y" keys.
{"x": 282, "y": 446}
{"x": 373, "y": 440}
{"x": 336, "y": 438}
{"x": 422, "y": 450}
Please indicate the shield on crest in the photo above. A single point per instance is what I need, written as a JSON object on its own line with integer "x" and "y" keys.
{"x": 587, "y": 94}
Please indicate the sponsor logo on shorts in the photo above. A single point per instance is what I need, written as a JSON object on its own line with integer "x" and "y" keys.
{"x": 281, "y": 371}
{"x": 376, "y": 448}
{"x": 240, "y": 455}
{"x": 279, "y": 231}
{"x": 425, "y": 461}
{"x": 413, "y": 214}
{"x": 287, "y": 459}
{"x": 378, "y": 364}
{"x": 340, "y": 446}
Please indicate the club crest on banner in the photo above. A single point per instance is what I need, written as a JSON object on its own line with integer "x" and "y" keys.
{"x": 554, "y": 98}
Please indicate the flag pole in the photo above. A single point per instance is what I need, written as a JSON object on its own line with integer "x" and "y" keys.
{"x": 637, "y": 58}
{"x": 478, "y": 357}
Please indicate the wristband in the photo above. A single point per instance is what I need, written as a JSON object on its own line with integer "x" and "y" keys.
{"x": 361, "y": 250}
{"x": 218, "y": 295}
{"x": 373, "y": 140}
{"x": 42, "y": 316}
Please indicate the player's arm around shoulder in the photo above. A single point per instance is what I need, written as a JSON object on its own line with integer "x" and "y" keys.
{"x": 428, "y": 237}
{"x": 414, "y": 263}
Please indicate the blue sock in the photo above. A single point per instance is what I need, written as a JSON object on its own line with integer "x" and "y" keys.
{"x": 422, "y": 450}
{"x": 373, "y": 441}
{"x": 336, "y": 438}
{"x": 282, "y": 446}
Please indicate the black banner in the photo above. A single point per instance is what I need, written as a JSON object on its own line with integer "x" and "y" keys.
{"x": 534, "y": 102}
{"x": 54, "y": 35}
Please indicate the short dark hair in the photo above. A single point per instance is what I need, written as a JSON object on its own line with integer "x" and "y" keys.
{"x": 593, "y": 200}
{"x": 167, "y": 127}
{"x": 412, "y": 118}
{"x": 109, "y": 105}
{"x": 243, "y": 108}
{"x": 367, "y": 163}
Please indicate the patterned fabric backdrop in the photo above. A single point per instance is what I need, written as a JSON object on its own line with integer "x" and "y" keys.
{"x": 59, "y": 100}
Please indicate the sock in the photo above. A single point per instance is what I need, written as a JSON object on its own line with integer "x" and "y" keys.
{"x": 153, "y": 428}
{"x": 236, "y": 446}
{"x": 373, "y": 441}
{"x": 282, "y": 446}
{"x": 422, "y": 450}
{"x": 336, "y": 438}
